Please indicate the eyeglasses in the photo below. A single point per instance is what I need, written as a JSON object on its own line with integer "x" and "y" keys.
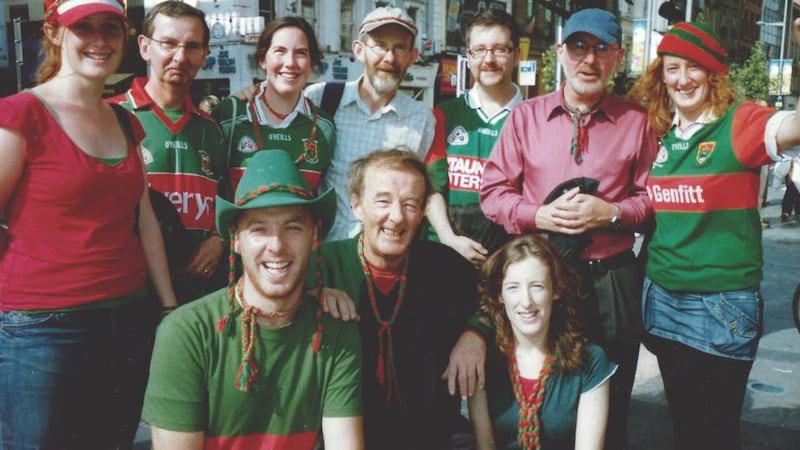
{"x": 380, "y": 50}
{"x": 581, "y": 48}
{"x": 497, "y": 52}
{"x": 171, "y": 47}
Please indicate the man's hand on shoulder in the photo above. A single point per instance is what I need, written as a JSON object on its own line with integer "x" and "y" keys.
{"x": 467, "y": 365}
{"x": 339, "y": 305}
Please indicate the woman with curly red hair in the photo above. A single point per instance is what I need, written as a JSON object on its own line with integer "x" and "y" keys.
{"x": 546, "y": 386}
{"x": 702, "y": 307}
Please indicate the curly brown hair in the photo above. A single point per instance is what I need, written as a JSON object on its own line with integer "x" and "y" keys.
{"x": 650, "y": 91}
{"x": 565, "y": 337}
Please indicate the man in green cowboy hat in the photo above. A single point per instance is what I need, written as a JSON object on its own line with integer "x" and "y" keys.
{"x": 258, "y": 365}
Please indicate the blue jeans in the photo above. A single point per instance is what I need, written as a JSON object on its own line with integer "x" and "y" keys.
{"x": 727, "y": 324}
{"x": 74, "y": 380}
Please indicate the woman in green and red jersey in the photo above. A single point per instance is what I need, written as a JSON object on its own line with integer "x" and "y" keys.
{"x": 702, "y": 307}
{"x": 279, "y": 116}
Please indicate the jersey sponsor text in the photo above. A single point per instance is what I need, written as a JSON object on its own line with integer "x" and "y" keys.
{"x": 465, "y": 173}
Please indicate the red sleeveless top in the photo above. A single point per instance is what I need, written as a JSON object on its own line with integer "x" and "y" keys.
{"x": 71, "y": 219}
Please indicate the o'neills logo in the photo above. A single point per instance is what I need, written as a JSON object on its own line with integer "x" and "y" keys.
{"x": 682, "y": 193}
{"x": 465, "y": 173}
{"x": 704, "y": 151}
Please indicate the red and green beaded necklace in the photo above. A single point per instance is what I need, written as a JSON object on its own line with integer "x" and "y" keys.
{"x": 248, "y": 370}
{"x": 386, "y": 370}
{"x": 529, "y": 423}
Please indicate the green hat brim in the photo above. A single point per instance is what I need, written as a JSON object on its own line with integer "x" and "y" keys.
{"x": 323, "y": 207}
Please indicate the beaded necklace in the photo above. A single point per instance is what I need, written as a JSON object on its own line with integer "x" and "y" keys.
{"x": 248, "y": 371}
{"x": 250, "y": 314}
{"x": 529, "y": 423}
{"x": 309, "y": 145}
{"x": 386, "y": 371}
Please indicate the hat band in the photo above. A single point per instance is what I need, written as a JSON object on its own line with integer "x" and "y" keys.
{"x": 275, "y": 187}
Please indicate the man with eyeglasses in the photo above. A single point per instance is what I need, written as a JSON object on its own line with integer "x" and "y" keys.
{"x": 372, "y": 113}
{"x": 466, "y": 131}
{"x": 554, "y": 141}
{"x": 183, "y": 150}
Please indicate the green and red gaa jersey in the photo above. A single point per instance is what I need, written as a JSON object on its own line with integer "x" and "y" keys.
{"x": 465, "y": 137}
{"x": 195, "y": 367}
{"x": 705, "y": 191}
{"x": 308, "y": 135}
{"x": 183, "y": 155}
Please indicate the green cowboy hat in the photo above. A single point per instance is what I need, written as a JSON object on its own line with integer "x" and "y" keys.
{"x": 272, "y": 180}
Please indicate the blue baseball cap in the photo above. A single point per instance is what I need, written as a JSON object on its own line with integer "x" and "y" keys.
{"x": 599, "y": 23}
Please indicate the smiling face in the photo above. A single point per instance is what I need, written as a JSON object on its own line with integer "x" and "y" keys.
{"x": 492, "y": 70}
{"x": 587, "y": 75}
{"x": 527, "y": 294}
{"x": 391, "y": 205}
{"x": 92, "y": 47}
{"x": 287, "y": 62}
{"x": 275, "y": 245}
{"x": 687, "y": 85}
{"x": 179, "y": 67}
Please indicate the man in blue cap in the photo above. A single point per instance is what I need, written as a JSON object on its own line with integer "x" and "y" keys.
{"x": 257, "y": 365}
{"x": 581, "y": 130}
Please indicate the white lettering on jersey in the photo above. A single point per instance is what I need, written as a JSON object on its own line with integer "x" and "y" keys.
{"x": 682, "y": 194}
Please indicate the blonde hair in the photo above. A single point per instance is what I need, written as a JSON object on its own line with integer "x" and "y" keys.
{"x": 650, "y": 91}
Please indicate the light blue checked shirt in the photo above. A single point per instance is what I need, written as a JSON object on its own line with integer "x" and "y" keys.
{"x": 403, "y": 122}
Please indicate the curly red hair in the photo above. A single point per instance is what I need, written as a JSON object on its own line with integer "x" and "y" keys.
{"x": 566, "y": 337}
{"x": 650, "y": 91}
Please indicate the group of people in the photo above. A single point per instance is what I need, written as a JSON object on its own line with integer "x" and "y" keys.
{"x": 313, "y": 313}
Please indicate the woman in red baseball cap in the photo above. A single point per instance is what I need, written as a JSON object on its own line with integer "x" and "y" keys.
{"x": 77, "y": 318}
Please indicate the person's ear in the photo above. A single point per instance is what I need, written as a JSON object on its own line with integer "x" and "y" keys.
{"x": 53, "y": 33}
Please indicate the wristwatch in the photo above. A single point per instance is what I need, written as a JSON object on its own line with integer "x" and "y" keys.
{"x": 616, "y": 221}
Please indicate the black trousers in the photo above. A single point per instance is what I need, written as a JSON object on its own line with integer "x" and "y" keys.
{"x": 791, "y": 199}
{"x": 705, "y": 395}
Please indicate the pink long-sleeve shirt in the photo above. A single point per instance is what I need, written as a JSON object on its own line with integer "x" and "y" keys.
{"x": 532, "y": 156}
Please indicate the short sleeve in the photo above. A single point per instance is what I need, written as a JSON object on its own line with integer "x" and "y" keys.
{"x": 597, "y": 370}
{"x": 176, "y": 397}
{"x": 343, "y": 392}
{"x": 748, "y": 136}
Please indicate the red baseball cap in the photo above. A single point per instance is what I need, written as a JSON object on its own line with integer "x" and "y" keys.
{"x": 69, "y": 12}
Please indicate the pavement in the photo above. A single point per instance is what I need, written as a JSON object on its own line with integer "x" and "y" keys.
{"x": 771, "y": 413}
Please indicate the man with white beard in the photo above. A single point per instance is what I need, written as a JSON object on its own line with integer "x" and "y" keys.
{"x": 372, "y": 114}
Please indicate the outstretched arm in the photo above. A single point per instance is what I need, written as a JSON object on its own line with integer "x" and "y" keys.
{"x": 789, "y": 130}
